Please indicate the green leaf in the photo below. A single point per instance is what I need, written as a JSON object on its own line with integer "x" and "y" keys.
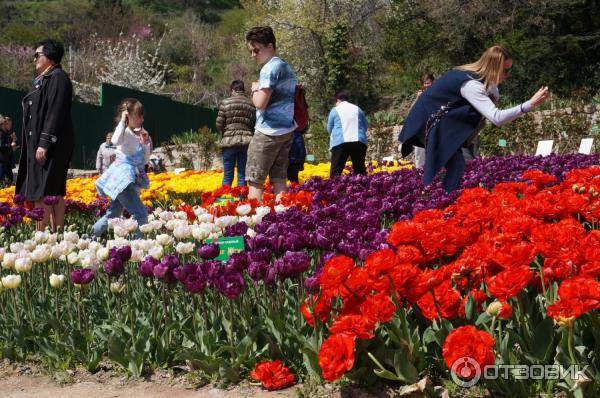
{"x": 543, "y": 341}
{"x": 404, "y": 368}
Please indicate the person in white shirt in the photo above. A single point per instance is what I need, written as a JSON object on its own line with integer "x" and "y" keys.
{"x": 106, "y": 154}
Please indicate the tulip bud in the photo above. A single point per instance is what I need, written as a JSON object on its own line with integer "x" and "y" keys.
{"x": 56, "y": 281}
{"x": 582, "y": 189}
{"x": 117, "y": 287}
{"x": 8, "y": 261}
{"x": 73, "y": 258}
{"x": 575, "y": 188}
{"x": 494, "y": 308}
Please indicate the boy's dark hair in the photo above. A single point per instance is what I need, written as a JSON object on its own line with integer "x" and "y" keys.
{"x": 237, "y": 85}
{"x": 261, "y": 34}
{"x": 341, "y": 95}
{"x": 52, "y": 49}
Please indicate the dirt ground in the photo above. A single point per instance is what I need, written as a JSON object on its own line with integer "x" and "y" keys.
{"x": 29, "y": 381}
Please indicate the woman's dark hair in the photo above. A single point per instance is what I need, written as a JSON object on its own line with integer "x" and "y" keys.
{"x": 261, "y": 34}
{"x": 52, "y": 49}
{"x": 341, "y": 95}
{"x": 237, "y": 85}
{"x": 427, "y": 76}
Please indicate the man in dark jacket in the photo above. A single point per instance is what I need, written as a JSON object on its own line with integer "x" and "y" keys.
{"x": 236, "y": 119}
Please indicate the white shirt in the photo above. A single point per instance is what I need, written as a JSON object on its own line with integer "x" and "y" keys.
{"x": 127, "y": 142}
{"x": 474, "y": 91}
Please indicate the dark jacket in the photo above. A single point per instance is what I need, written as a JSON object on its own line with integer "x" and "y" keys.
{"x": 457, "y": 122}
{"x": 236, "y": 120}
{"x": 46, "y": 124}
{"x": 5, "y": 147}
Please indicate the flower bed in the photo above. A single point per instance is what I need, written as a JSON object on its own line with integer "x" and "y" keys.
{"x": 382, "y": 305}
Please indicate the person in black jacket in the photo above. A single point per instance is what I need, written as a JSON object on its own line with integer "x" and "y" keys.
{"x": 48, "y": 137}
{"x": 7, "y": 144}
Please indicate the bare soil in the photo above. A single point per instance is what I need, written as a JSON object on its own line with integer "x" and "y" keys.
{"x": 29, "y": 381}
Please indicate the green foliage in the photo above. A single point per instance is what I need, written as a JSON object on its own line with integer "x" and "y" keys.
{"x": 337, "y": 55}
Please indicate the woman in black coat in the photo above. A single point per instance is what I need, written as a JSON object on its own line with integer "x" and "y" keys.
{"x": 48, "y": 137}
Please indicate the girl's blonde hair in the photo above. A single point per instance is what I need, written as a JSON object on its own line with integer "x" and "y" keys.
{"x": 131, "y": 105}
{"x": 490, "y": 66}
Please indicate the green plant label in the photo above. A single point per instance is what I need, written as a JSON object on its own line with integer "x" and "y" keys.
{"x": 221, "y": 199}
{"x": 227, "y": 246}
{"x": 596, "y": 128}
{"x": 310, "y": 158}
{"x": 502, "y": 143}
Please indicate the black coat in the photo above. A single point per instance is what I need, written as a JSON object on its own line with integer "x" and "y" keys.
{"x": 458, "y": 120}
{"x": 47, "y": 124}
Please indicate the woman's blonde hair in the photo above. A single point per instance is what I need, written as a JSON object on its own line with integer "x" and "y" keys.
{"x": 131, "y": 105}
{"x": 490, "y": 66}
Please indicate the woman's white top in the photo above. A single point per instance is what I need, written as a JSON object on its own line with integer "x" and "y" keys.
{"x": 474, "y": 91}
{"x": 127, "y": 142}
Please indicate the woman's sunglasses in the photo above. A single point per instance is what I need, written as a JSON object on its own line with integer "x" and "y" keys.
{"x": 37, "y": 55}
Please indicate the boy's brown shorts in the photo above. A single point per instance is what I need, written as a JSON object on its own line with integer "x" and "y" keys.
{"x": 268, "y": 156}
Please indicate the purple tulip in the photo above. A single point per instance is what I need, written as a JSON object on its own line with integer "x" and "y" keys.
{"x": 209, "y": 251}
{"x": 231, "y": 284}
{"x": 258, "y": 270}
{"x": 237, "y": 262}
{"x": 18, "y": 199}
{"x": 82, "y": 276}
{"x": 124, "y": 253}
{"x": 36, "y": 214}
{"x": 50, "y": 200}
{"x": 113, "y": 266}
{"x": 146, "y": 267}
{"x": 237, "y": 229}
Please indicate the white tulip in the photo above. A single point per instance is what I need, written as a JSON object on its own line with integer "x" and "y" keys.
{"x": 182, "y": 231}
{"x": 199, "y": 211}
{"x": 56, "y": 281}
{"x": 205, "y": 218}
{"x": 248, "y": 220}
{"x": 146, "y": 228}
{"x": 225, "y": 221}
{"x": 251, "y": 233}
{"x": 157, "y": 224}
{"x": 102, "y": 253}
{"x": 94, "y": 246}
{"x": 56, "y": 252}
{"x": 8, "y": 261}
{"x": 52, "y": 239}
{"x": 11, "y": 281}
{"x": 164, "y": 239}
{"x": 73, "y": 258}
{"x": 83, "y": 244}
{"x": 280, "y": 208}
{"x": 182, "y": 215}
{"x": 243, "y": 210}
{"x": 23, "y": 264}
{"x": 166, "y": 216}
{"x": 137, "y": 255}
{"x": 72, "y": 237}
{"x": 262, "y": 211}
{"x": 184, "y": 248}
{"x": 29, "y": 245}
{"x": 200, "y": 232}
{"x": 90, "y": 261}
{"x": 41, "y": 254}
{"x": 16, "y": 247}
{"x": 41, "y": 237}
{"x": 156, "y": 252}
{"x": 120, "y": 231}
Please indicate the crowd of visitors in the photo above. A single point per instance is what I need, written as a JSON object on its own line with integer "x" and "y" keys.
{"x": 262, "y": 133}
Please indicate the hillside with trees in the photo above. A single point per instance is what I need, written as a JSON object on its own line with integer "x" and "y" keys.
{"x": 190, "y": 50}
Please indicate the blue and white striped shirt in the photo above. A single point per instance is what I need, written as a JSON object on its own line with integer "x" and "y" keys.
{"x": 346, "y": 123}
